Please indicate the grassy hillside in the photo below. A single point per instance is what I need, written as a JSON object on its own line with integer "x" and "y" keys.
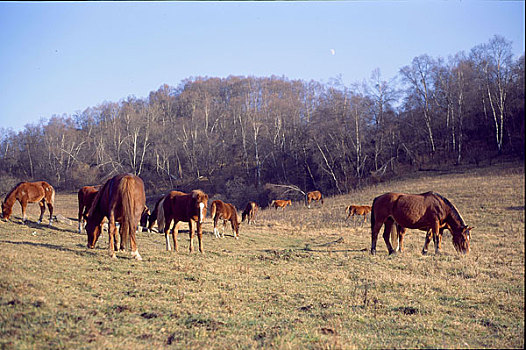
{"x": 298, "y": 278}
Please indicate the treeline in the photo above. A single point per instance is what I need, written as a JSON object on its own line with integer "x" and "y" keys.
{"x": 235, "y": 136}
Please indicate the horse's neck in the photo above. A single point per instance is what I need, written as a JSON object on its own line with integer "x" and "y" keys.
{"x": 11, "y": 198}
{"x": 454, "y": 221}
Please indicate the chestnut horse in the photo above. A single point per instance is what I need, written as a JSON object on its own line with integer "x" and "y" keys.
{"x": 86, "y": 195}
{"x": 353, "y": 210}
{"x": 314, "y": 195}
{"x": 121, "y": 199}
{"x": 30, "y": 192}
{"x": 280, "y": 203}
{"x": 428, "y": 211}
{"x": 185, "y": 207}
{"x": 225, "y": 212}
{"x": 250, "y": 212}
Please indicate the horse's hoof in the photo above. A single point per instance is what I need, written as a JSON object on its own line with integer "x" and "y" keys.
{"x": 373, "y": 251}
{"x": 424, "y": 252}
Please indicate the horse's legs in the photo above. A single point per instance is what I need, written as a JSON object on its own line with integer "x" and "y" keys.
{"x": 42, "y": 205}
{"x": 81, "y": 217}
{"x": 200, "y": 236}
{"x": 426, "y": 243}
{"x": 216, "y": 231}
{"x": 191, "y": 233}
{"x": 112, "y": 233}
{"x": 50, "y": 208}
{"x": 133, "y": 244}
{"x": 374, "y": 234}
{"x": 234, "y": 228}
{"x": 167, "y": 224}
{"x": 437, "y": 238}
{"x": 389, "y": 223}
{"x": 23, "y": 204}
{"x": 401, "y": 234}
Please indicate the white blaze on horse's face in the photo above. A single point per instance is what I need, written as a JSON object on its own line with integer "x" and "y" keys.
{"x": 201, "y": 213}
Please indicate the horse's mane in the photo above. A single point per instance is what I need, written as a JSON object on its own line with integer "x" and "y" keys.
{"x": 13, "y": 189}
{"x": 454, "y": 210}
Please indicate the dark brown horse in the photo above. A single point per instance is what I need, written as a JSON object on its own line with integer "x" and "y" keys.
{"x": 280, "y": 203}
{"x": 428, "y": 211}
{"x": 121, "y": 199}
{"x": 225, "y": 212}
{"x": 250, "y": 212}
{"x": 314, "y": 196}
{"x": 185, "y": 207}
{"x": 353, "y": 210}
{"x": 86, "y": 195}
{"x": 30, "y": 192}
{"x": 157, "y": 216}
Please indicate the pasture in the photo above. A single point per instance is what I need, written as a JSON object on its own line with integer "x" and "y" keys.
{"x": 297, "y": 278}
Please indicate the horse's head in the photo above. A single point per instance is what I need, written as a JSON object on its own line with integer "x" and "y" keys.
{"x": 6, "y": 210}
{"x": 199, "y": 204}
{"x": 93, "y": 232}
{"x": 461, "y": 239}
{"x": 145, "y": 217}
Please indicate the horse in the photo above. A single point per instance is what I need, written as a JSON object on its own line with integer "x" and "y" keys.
{"x": 121, "y": 199}
{"x": 428, "y": 211}
{"x": 145, "y": 217}
{"x": 86, "y": 195}
{"x": 314, "y": 195}
{"x": 30, "y": 192}
{"x": 353, "y": 210}
{"x": 225, "y": 212}
{"x": 250, "y": 212}
{"x": 280, "y": 203}
{"x": 185, "y": 207}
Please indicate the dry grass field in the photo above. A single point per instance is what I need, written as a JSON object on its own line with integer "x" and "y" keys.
{"x": 298, "y": 278}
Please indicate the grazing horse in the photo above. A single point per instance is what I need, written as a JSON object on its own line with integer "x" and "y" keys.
{"x": 280, "y": 203}
{"x": 353, "y": 210}
{"x": 314, "y": 195}
{"x": 225, "y": 212}
{"x": 145, "y": 217}
{"x": 428, "y": 211}
{"x": 86, "y": 195}
{"x": 30, "y": 192}
{"x": 250, "y": 212}
{"x": 121, "y": 199}
{"x": 185, "y": 207}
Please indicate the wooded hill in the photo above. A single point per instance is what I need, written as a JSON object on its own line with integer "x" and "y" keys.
{"x": 236, "y": 135}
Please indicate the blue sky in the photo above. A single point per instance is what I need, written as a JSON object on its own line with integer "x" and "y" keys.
{"x": 60, "y": 58}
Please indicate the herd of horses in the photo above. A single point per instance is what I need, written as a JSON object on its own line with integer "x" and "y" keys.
{"x": 122, "y": 201}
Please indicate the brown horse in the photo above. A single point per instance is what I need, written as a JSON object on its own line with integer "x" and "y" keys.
{"x": 121, "y": 199}
{"x": 314, "y": 195}
{"x": 30, "y": 192}
{"x": 353, "y": 210}
{"x": 250, "y": 212}
{"x": 428, "y": 211}
{"x": 280, "y": 203}
{"x": 86, "y": 195}
{"x": 185, "y": 207}
{"x": 225, "y": 212}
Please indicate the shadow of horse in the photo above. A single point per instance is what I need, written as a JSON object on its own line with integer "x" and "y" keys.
{"x": 52, "y": 247}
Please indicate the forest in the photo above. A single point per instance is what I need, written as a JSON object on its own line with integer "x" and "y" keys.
{"x": 240, "y": 135}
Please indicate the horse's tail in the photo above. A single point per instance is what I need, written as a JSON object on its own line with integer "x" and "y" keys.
{"x": 129, "y": 221}
{"x": 213, "y": 209}
{"x": 52, "y": 197}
